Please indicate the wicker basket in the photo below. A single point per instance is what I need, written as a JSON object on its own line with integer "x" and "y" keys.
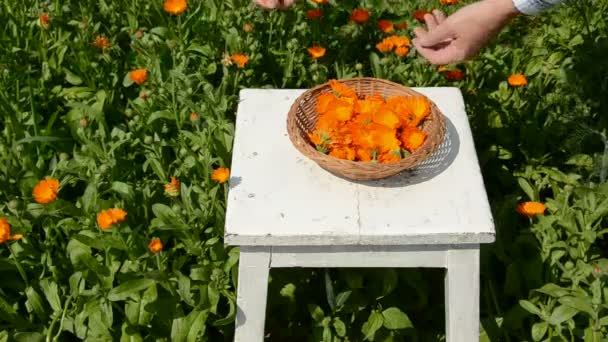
{"x": 302, "y": 119}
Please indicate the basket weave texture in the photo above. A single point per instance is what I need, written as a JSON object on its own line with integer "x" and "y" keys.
{"x": 302, "y": 119}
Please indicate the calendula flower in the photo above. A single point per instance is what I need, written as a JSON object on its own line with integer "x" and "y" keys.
{"x": 101, "y": 42}
{"x": 517, "y": 80}
{"x": 139, "y": 76}
{"x": 314, "y": 14}
{"x": 5, "y": 230}
{"x": 402, "y": 51}
{"x": 385, "y": 26}
{"x": 360, "y": 16}
{"x": 412, "y": 138}
{"x": 384, "y": 46}
{"x": 419, "y": 15}
{"x": 401, "y": 25}
{"x": 449, "y": 2}
{"x": 320, "y": 1}
{"x": 44, "y": 20}
{"x": 107, "y": 218}
{"x": 155, "y": 246}
{"x": 240, "y": 60}
{"x": 46, "y": 191}
{"x": 194, "y": 117}
{"x": 454, "y": 75}
{"x": 220, "y": 175}
{"x": 316, "y": 52}
{"x": 248, "y": 27}
{"x": 17, "y": 237}
{"x": 175, "y": 7}
{"x": 172, "y": 189}
{"x": 531, "y": 208}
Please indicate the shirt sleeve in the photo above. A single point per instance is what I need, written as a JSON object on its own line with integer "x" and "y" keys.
{"x": 533, "y": 7}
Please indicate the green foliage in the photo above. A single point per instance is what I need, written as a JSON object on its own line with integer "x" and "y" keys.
{"x": 69, "y": 110}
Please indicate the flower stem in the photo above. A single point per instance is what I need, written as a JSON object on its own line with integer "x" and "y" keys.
{"x": 18, "y": 264}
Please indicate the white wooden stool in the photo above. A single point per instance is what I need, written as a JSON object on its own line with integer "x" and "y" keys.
{"x": 285, "y": 211}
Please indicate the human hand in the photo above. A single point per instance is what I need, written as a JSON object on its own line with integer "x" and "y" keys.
{"x": 460, "y": 36}
{"x": 274, "y": 4}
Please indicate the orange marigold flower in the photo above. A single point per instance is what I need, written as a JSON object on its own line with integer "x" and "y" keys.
{"x": 399, "y": 41}
{"x": 104, "y": 219}
{"x": 46, "y": 191}
{"x": 449, "y": 2}
{"x": 194, "y": 117}
{"x": 419, "y": 15}
{"x": 107, "y": 218}
{"x": 402, "y": 51}
{"x": 172, "y": 189}
{"x": 412, "y": 138}
{"x": 316, "y": 52}
{"x": 384, "y": 46}
{"x": 360, "y": 16}
{"x": 386, "y": 117}
{"x": 314, "y": 14}
{"x": 101, "y": 42}
{"x": 320, "y": 1}
{"x": 155, "y": 245}
{"x": 385, "y": 26}
{"x": 247, "y": 27}
{"x": 420, "y": 107}
{"x": 240, "y": 59}
{"x": 517, "y": 80}
{"x": 44, "y": 20}
{"x": 17, "y": 237}
{"x": 139, "y": 76}
{"x": 389, "y": 157}
{"x": 175, "y": 7}
{"x": 5, "y": 230}
{"x": 220, "y": 175}
{"x": 342, "y": 89}
{"x": 454, "y": 75}
{"x": 364, "y": 154}
{"x": 531, "y": 208}
{"x": 401, "y": 25}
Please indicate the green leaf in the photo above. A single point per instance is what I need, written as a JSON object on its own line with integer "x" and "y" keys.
{"x": 128, "y": 288}
{"x": 527, "y": 188}
{"x": 34, "y": 303}
{"x": 342, "y": 297}
{"x": 396, "y": 319}
{"x": 164, "y": 213}
{"x": 580, "y": 304}
{"x": 374, "y": 322}
{"x": 539, "y": 330}
{"x": 28, "y": 337}
{"x": 316, "y": 312}
{"x": 51, "y": 292}
{"x": 72, "y": 78}
{"x": 531, "y": 308}
{"x": 561, "y": 314}
{"x": 123, "y": 189}
{"x": 553, "y": 290}
{"x": 339, "y": 327}
{"x": 161, "y": 114}
{"x": 127, "y": 81}
{"x": 197, "y": 326}
{"x": 89, "y": 198}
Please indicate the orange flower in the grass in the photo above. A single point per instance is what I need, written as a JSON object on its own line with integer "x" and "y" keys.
{"x": 101, "y": 42}
{"x": 314, "y": 14}
{"x": 531, "y": 208}
{"x": 419, "y": 15}
{"x": 401, "y": 25}
{"x": 155, "y": 245}
{"x": 5, "y": 230}
{"x": 385, "y": 26}
{"x": 360, "y": 16}
{"x": 172, "y": 189}
{"x": 17, "y": 237}
{"x": 46, "y": 191}
{"x": 399, "y": 41}
{"x": 449, "y": 2}
{"x": 240, "y": 59}
{"x": 194, "y": 117}
{"x": 220, "y": 175}
{"x": 412, "y": 138}
{"x": 320, "y": 1}
{"x": 402, "y": 51}
{"x": 342, "y": 89}
{"x": 44, "y": 20}
{"x": 175, "y": 7}
{"x": 384, "y": 46}
{"x": 316, "y": 52}
{"x": 454, "y": 75}
{"x": 107, "y": 218}
{"x": 517, "y": 80}
{"x": 139, "y": 76}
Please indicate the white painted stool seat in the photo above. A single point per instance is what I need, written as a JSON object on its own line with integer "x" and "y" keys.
{"x": 286, "y": 211}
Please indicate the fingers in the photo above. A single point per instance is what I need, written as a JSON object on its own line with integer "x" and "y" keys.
{"x": 431, "y": 21}
{"x": 439, "y": 16}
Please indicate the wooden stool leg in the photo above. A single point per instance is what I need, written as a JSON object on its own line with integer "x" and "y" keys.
{"x": 254, "y": 266}
{"x": 462, "y": 295}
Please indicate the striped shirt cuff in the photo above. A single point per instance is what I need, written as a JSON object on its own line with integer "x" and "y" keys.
{"x": 534, "y": 7}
